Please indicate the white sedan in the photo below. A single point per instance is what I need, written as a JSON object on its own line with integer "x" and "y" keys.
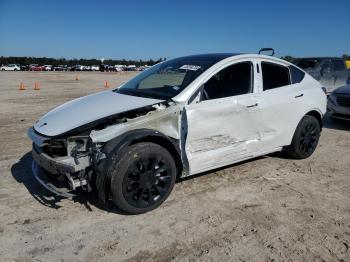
{"x": 178, "y": 118}
{"x": 10, "y": 67}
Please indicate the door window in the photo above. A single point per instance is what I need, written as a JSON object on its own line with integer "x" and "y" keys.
{"x": 233, "y": 80}
{"x": 296, "y": 74}
{"x": 274, "y": 75}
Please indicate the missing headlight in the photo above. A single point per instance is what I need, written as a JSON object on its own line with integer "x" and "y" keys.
{"x": 78, "y": 145}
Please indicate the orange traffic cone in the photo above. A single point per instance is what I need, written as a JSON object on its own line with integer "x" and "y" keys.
{"x": 76, "y": 78}
{"x": 106, "y": 84}
{"x": 21, "y": 86}
{"x": 36, "y": 86}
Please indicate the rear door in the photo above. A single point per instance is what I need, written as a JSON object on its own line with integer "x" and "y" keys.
{"x": 281, "y": 103}
{"x": 223, "y": 125}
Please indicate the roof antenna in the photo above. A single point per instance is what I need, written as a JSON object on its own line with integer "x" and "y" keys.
{"x": 266, "y": 49}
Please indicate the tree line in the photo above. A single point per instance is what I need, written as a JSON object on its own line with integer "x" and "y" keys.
{"x": 24, "y": 60}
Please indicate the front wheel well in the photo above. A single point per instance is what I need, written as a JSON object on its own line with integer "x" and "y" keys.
{"x": 121, "y": 143}
{"x": 316, "y": 115}
{"x": 166, "y": 143}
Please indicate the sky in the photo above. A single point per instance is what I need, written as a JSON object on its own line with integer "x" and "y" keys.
{"x": 157, "y": 29}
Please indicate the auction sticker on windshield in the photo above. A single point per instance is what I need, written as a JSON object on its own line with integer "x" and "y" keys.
{"x": 190, "y": 67}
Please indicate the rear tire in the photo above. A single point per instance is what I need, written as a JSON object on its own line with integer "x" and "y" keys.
{"x": 142, "y": 178}
{"x": 305, "y": 138}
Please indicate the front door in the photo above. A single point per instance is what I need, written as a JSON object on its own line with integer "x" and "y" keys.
{"x": 223, "y": 126}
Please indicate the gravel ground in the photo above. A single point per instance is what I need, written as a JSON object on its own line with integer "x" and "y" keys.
{"x": 266, "y": 209}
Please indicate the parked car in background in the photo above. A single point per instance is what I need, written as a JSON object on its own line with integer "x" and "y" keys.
{"x": 95, "y": 68}
{"x": 60, "y": 68}
{"x": 331, "y": 72}
{"x": 92, "y": 68}
{"x": 119, "y": 68}
{"x": 47, "y": 67}
{"x": 10, "y": 67}
{"x": 24, "y": 67}
{"x": 107, "y": 68}
{"x": 78, "y": 68}
{"x": 181, "y": 117}
{"x": 35, "y": 67}
{"x": 131, "y": 68}
{"x": 339, "y": 103}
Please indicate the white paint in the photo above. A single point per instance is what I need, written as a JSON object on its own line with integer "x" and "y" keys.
{"x": 87, "y": 109}
{"x": 11, "y": 67}
{"x": 220, "y": 131}
{"x": 224, "y": 131}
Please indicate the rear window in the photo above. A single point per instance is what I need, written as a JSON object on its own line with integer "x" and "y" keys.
{"x": 296, "y": 74}
{"x": 274, "y": 75}
{"x": 306, "y": 63}
{"x": 338, "y": 65}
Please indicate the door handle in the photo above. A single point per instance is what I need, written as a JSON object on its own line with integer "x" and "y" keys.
{"x": 256, "y": 104}
{"x": 299, "y": 95}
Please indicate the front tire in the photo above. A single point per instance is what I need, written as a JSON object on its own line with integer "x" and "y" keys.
{"x": 305, "y": 138}
{"x": 142, "y": 178}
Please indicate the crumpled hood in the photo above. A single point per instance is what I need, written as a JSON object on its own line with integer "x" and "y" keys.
{"x": 87, "y": 109}
{"x": 343, "y": 90}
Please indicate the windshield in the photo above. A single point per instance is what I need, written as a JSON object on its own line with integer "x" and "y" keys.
{"x": 167, "y": 79}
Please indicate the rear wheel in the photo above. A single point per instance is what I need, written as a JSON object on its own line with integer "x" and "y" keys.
{"x": 305, "y": 138}
{"x": 142, "y": 178}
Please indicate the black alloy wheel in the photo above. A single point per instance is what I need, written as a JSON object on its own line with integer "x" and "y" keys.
{"x": 142, "y": 177}
{"x": 147, "y": 181}
{"x": 305, "y": 138}
{"x": 309, "y": 138}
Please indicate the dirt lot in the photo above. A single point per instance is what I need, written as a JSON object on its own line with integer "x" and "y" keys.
{"x": 267, "y": 209}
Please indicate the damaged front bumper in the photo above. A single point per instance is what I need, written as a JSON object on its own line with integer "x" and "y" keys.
{"x": 54, "y": 166}
{"x": 41, "y": 176}
{"x": 58, "y": 174}
{"x": 47, "y": 171}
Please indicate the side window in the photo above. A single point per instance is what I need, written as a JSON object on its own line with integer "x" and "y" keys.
{"x": 296, "y": 74}
{"x": 274, "y": 75}
{"x": 233, "y": 80}
{"x": 338, "y": 65}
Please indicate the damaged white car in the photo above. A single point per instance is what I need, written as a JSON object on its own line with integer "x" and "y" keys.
{"x": 180, "y": 117}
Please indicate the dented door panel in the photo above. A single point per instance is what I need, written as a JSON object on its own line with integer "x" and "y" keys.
{"x": 221, "y": 131}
